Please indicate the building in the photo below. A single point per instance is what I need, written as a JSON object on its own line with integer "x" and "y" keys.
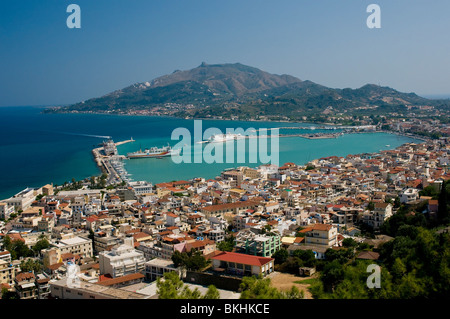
{"x": 25, "y": 285}
{"x": 322, "y": 234}
{"x": 22, "y": 200}
{"x": 122, "y": 260}
{"x": 122, "y": 281}
{"x": 7, "y": 272}
{"x": 242, "y": 264}
{"x": 104, "y": 242}
{"x": 42, "y": 287}
{"x": 109, "y": 147}
{"x": 75, "y": 245}
{"x": 141, "y": 187}
{"x": 232, "y": 208}
{"x": 6, "y": 210}
{"x": 410, "y": 195}
{"x": 157, "y": 267}
{"x": 84, "y": 290}
{"x": 380, "y": 213}
{"x": 255, "y": 244}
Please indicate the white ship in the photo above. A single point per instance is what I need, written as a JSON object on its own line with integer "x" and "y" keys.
{"x": 154, "y": 152}
{"x": 220, "y": 138}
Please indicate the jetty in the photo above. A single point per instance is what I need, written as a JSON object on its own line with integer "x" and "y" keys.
{"x": 107, "y": 157}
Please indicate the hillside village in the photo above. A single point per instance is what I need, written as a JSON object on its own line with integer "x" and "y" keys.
{"x": 123, "y": 239}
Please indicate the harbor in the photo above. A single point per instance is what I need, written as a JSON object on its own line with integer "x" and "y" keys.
{"x": 111, "y": 163}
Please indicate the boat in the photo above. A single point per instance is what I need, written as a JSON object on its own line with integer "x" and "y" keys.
{"x": 154, "y": 152}
{"x": 219, "y": 138}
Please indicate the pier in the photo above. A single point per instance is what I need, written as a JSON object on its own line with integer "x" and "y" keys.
{"x": 105, "y": 156}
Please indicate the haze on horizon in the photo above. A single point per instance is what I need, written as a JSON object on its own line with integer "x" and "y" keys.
{"x": 124, "y": 42}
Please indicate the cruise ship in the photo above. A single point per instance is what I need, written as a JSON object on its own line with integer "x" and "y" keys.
{"x": 154, "y": 152}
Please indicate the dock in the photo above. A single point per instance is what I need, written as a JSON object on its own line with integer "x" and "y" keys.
{"x": 104, "y": 162}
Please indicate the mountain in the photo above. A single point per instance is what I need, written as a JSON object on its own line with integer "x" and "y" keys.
{"x": 236, "y": 89}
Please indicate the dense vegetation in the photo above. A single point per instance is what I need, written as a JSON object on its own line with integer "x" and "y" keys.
{"x": 415, "y": 264}
{"x": 192, "y": 260}
{"x": 172, "y": 287}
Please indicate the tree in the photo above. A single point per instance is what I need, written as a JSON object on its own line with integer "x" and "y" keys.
{"x": 41, "y": 244}
{"x": 258, "y": 288}
{"x": 30, "y": 265}
{"x": 172, "y": 287}
{"x": 281, "y": 256}
{"x": 17, "y": 248}
{"x": 192, "y": 260}
{"x": 212, "y": 293}
{"x": 6, "y": 294}
{"x": 430, "y": 191}
{"x": 307, "y": 257}
{"x": 349, "y": 242}
{"x": 293, "y": 293}
{"x": 227, "y": 244}
{"x": 169, "y": 287}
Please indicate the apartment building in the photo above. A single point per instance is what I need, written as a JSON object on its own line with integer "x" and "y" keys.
{"x": 7, "y": 272}
{"x": 380, "y": 213}
{"x": 122, "y": 260}
{"x": 321, "y": 234}
{"x": 75, "y": 245}
{"x": 6, "y": 210}
{"x": 251, "y": 243}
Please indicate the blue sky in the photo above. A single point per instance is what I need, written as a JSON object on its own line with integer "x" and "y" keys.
{"x": 122, "y": 42}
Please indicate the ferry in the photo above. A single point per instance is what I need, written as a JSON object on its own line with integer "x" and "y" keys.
{"x": 219, "y": 138}
{"x": 154, "y": 152}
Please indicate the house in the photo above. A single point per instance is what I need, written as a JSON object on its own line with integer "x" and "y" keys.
{"x": 25, "y": 285}
{"x": 242, "y": 264}
{"x": 321, "y": 234}
{"x": 368, "y": 255}
{"x": 410, "y": 195}
{"x": 380, "y": 213}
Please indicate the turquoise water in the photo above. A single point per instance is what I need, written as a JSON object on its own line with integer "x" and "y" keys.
{"x": 37, "y": 149}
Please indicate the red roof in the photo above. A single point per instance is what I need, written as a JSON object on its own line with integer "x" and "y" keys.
{"x": 119, "y": 280}
{"x": 242, "y": 258}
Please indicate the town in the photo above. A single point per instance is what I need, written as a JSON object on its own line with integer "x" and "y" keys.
{"x": 125, "y": 239}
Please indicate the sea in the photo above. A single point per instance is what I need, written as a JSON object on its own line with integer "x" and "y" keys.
{"x": 37, "y": 149}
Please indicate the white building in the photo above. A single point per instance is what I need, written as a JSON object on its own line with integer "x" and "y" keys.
{"x": 121, "y": 261}
{"x": 409, "y": 195}
{"x": 24, "y": 199}
{"x": 6, "y": 210}
{"x": 381, "y": 212}
{"x": 141, "y": 187}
